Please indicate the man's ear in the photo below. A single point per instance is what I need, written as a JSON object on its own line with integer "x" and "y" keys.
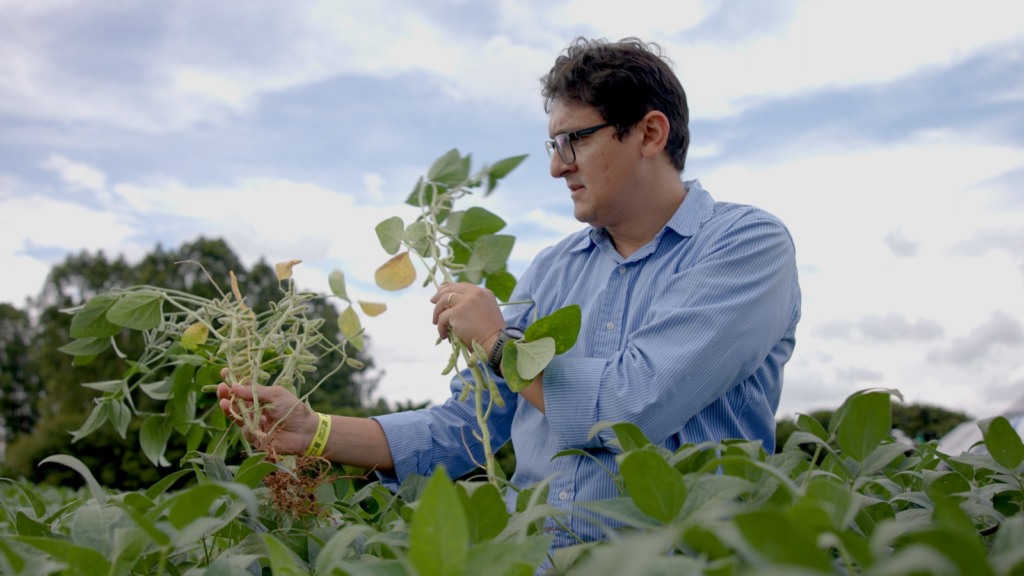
{"x": 653, "y": 128}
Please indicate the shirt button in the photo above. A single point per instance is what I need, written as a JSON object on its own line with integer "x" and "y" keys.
{"x": 622, "y": 269}
{"x": 562, "y": 495}
{"x": 610, "y": 325}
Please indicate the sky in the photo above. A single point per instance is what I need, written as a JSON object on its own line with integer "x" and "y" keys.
{"x": 888, "y": 136}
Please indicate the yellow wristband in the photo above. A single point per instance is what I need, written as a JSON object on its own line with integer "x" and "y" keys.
{"x": 323, "y": 432}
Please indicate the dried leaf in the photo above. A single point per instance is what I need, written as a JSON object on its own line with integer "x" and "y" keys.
{"x": 372, "y": 308}
{"x": 284, "y": 269}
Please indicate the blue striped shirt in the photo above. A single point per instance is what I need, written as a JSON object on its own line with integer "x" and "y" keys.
{"x": 686, "y": 338}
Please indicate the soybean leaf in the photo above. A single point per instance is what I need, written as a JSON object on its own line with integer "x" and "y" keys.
{"x": 96, "y": 418}
{"x": 335, "y": 550}
{"x": 78, "y": 560}
{"x": 509, "y": 368}
{"x": 502, "y": 283}
{"x": 91, "y": 321}
{"x": 450, "y": 169}
{"x": 656, "y": 488}
{"x": 83, "y": 471}
{"x": 629, "y": 436}
{"x": 501, "y": 169}
{"x": 396, "y": 273}
{"x": 1003, "y": 441}
{"x": 486, "y": 510}
{"x": 490, "y": 254}
{"x": 811, "y": 425}
{"x": 336, "y": 280}
{"x": 534, "y": 356}
{"x": 476, "y": 222}
{"x": 120, "y": 416}
{"x": 389, "y": 232}
{"x": 351, "y": 328}
{"x": 141, "y": 310}
{"x": 153, "y": 437}
{"x": 417, "y": 237}
{"x": 438, "y": 533}
{"x": 282, "y": 560}
{"x": 38, "y": 506}
{"x": 563, "y": 325}
{"x": 864, "y": 420}
{"x": 781, "y": 540}
{"x": 90, "y": 346}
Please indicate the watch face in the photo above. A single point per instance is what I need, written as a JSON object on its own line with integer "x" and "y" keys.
{"x": 515, "y": 333}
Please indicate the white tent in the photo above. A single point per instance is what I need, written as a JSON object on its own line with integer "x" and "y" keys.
{"x": 961, "y": 438}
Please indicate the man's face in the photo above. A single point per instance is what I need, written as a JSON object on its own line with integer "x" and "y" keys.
{"x": 599, "y": 179}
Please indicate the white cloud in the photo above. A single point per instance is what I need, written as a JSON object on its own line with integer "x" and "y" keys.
{"x": 76, "y": 173}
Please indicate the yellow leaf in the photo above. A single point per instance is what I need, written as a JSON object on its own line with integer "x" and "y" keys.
{"x": 194, "y": 336}
{"x": 396, "y": 273}
{"x": 351, "y": 328}
{"x": 372, "y": 308}
{"x": 284, "y": 269}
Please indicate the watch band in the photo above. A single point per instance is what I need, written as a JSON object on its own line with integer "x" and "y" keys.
{"x": 506, "y": 334}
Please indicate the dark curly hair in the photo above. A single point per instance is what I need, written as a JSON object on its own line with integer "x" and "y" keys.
{"x": 623, "y": 80}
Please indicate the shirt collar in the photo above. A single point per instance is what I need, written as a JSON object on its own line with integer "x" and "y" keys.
{"x": 695, "y": 209}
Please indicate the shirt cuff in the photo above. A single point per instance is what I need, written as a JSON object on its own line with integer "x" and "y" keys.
{"x": 571, "y": 390}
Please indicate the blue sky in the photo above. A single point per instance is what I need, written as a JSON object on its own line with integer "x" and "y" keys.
{"x": 888, "y": 136}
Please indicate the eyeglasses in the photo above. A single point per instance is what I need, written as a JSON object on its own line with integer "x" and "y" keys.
{"x": 563, "y": 142}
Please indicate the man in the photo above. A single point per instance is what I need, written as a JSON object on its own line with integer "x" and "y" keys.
{"x": 690, "y": 306}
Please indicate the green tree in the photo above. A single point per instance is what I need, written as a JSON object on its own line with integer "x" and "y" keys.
{"x": 19, "y": 382}
{"x": 202, "y": 268}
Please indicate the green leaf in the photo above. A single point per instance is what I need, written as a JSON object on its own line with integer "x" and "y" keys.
{"x": 781, "y": 540}
{"x": 509, "y": 368}
{"x": 630, "y": 437}
{"x": 96, "y": 418}
{"x": 91, "y": 320}
{"x": 153, "y": 437}
{"x": 192, "y": 503}
{"x": 450, "y": 169}
{"x": 563, "y": 325}
{"x": 283, "y": 561}
{"x": 438, "y": 534}
{"x": 502, "y": 283}
{"x": 811, "y": 425}
{"x": 533, "y": 357}
{"x": 389, "y": 232}
{"x": 90, "y": 346}
{"x": 656, "y": 488}
{"x": 490, "y": 254}
{"x": 38, "y": 506}
{"x": 417, "y": 237}
{"x": 487, "y": 514}
{"x": 336, "y": 280}
{"x": 120, "y": 416}
{"x": 336, "y": 550}
{"x": 78, "y": 560}
{"x": 1003, "y": 441}
{"x": 861, "y": 423}
{"x": 500, "y": 169}
{"x": 83, "y": 471}
{"x": 476, "y": 222}
{"x": 141, "y": 310}
{"x": 107, "y": 386}
{"x": 351, "y": 328}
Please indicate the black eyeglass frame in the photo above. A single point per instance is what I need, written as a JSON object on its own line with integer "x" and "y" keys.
{"x": 560, "y": 140}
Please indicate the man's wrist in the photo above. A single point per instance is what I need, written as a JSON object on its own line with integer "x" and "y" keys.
{"x": 497, "y": 350}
